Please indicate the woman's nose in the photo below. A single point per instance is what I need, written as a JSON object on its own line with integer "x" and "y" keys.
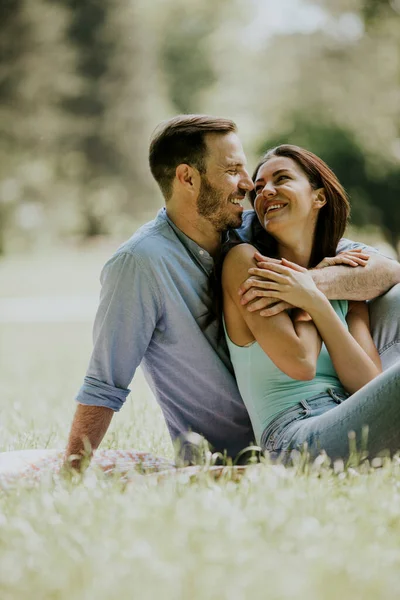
{"x": 268, "y": 190}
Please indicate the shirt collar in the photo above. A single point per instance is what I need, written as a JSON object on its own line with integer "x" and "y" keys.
{"x": 199, "y": 254}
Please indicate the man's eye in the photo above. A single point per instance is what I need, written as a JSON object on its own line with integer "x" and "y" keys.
{"x": 232, "y": 171}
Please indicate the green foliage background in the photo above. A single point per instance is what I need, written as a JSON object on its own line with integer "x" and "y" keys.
{"x": 83, "y": 84}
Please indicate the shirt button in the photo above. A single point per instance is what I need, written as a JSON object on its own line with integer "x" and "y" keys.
{"x": 201, "y": 252}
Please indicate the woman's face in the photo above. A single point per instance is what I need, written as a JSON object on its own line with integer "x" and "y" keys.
{"x": 284, "y": 196}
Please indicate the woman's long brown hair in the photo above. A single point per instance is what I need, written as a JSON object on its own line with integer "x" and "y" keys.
{"x": 333, "y": 216}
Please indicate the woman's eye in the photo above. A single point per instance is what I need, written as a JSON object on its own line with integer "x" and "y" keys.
{"x": 282, "y": 177}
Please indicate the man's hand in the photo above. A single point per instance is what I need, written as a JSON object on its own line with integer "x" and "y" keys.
{"x": 88, "y": 429}
{"x": 351, "y": 258}
{"x": 254, "y": 290}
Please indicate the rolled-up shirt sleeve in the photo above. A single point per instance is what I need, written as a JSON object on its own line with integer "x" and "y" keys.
{"x": 130, "y": 306}
{"x": 345, "y": 245}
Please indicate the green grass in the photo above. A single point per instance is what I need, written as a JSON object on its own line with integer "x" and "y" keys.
{"x": 280, "y": 533}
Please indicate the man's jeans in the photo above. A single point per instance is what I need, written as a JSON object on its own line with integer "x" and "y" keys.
{"x": 324, "y": 421}
{"x": 384, "y": 313}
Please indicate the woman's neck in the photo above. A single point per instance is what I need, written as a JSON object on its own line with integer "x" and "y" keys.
{"x": 298, "y": 252}
{"x": 296, "y": 243}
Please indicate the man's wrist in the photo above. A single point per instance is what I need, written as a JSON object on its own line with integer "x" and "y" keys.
{"x": 318, "y": 278}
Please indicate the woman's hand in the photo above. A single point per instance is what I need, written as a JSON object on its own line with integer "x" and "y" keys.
{"x": 289, "y": 283}
{"x": 351, "y": 258}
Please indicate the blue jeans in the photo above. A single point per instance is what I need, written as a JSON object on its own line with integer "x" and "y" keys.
{"x": 384, "y": 313}
{"x": 324, "y": 421}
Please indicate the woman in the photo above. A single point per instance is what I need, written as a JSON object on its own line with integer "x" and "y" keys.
{"x": 313, "y": 374}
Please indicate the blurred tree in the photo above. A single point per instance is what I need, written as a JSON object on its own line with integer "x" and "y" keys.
{"x": 185, "y": 52}
{"x": 340, "y": 83}
{"x": 32, "y": 51}
{"x": 111, "y": 110}
{"x": 135, "y": 101}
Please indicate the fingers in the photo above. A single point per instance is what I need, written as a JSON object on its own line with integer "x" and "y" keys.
{"x": 256, "y": 284}
{"x": 355, "y": 254}
{"x": 293, "y": 265}
{"x": 259, "y": 257}
{"x": 346, "y": 261}
{"x": 281, "y": 265}
{"x": 263, "y": 301}
{"x": 351, "y": 262}
{"x": 275, "y": 309}
{"x": 251, "y": 283}
{"x": 351, "y": 258}
{"x": 271, "y": 266}
{"x": 257, "y": 293}
{"x": 358, "y": 260}
{"x": 356, "y": 251}
{"x": 270, "y": 274}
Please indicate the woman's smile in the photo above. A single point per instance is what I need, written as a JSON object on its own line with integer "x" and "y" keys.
{"x": 274, "y": 207}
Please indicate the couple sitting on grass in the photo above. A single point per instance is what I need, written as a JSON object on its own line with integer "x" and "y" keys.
{"x": 251, "y": 326}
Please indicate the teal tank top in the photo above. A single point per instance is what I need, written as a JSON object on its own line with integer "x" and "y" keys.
{"x": 266, "y": 390}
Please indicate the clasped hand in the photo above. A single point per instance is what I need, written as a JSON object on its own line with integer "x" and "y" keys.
{"x": 276, "y": 285}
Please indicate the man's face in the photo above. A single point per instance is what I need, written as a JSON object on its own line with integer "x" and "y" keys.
{"x": 225, "y": 183}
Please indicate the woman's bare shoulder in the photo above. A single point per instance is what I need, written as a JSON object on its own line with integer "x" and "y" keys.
{"x": 236, "y": 265}
{"x": 242, "y": 254}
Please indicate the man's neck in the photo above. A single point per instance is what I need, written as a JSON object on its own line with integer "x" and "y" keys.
{"x": 197, "y": 229}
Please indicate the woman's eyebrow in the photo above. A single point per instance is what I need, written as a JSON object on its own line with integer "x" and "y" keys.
{"x": 273, "y": 174}
{"x": 280, "y": 171}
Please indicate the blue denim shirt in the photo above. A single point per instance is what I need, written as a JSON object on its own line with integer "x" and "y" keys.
{"x": 155, "y": 307}
{"x": 155, "y": 310}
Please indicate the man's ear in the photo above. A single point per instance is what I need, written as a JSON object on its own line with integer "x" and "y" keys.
{"x": 187, "y": 177}
{"x": 320, "y": 198}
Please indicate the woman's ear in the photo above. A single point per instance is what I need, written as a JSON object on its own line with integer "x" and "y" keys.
{"x": 320, "y": 198}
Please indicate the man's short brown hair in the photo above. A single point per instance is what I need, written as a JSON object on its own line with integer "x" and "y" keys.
{"x": 182, "y": 140}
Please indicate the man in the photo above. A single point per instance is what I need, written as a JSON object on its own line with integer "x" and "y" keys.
{"x": 156, "y": 303}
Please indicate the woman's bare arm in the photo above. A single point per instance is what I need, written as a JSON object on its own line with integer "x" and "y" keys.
{"x": 291, "y": 283}
{"x": 293, "y": 347}
{"x": 353, "y": 365}
{"x": 359, "y": 327}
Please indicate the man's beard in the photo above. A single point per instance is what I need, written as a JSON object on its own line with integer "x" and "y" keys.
{"x": 212, "y": 205}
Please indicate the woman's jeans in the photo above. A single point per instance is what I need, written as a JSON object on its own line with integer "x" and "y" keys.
{"x": 324, "y": 421}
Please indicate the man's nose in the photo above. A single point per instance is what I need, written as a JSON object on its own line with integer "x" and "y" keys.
{"x": 246, "y": 182}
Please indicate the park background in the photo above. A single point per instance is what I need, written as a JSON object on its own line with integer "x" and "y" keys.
{"x": 83, "y": 83}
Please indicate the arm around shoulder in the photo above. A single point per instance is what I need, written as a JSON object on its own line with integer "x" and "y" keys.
{"x": 358, "y": 283}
